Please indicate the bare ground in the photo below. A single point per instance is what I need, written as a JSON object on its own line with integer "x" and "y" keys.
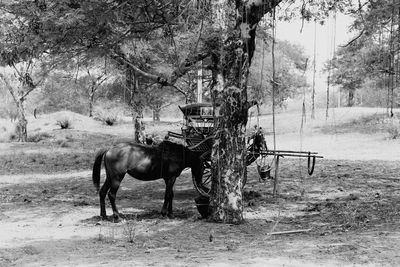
{"x": 49, "y": 209}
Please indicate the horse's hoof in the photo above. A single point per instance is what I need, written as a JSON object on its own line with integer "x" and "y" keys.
{"x": 104, "y": 218}
{"x": 171, "y": 216}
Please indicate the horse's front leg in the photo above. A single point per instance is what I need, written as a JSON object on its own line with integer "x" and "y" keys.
{"x": 168, "y": 197}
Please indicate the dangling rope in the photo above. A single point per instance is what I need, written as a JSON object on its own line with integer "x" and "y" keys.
{"x": 333, "y": 53}
{"x": 274, "y": 83}
{"x": 391, "y": 64}
{"x": 314, "y": 71}
{"x": 263, "y": 167}
{"x": 303, "y": 121}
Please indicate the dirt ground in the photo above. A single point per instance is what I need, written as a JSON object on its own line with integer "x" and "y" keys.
{"x": 349, "y": 208}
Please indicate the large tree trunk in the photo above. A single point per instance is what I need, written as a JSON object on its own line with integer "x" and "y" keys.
{"x": 234, "y": 33}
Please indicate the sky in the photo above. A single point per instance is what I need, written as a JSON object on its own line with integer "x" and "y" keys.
{"x": 293, "y": 32}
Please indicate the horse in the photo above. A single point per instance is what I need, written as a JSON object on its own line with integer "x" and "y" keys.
{"x": 144, "y": 162}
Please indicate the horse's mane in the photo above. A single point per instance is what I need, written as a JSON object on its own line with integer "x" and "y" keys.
{"x": 170, "y": 145}
{"x": 172, "y": 149}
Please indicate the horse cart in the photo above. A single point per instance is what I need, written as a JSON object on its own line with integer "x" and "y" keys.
{"x": 198, "y": 134}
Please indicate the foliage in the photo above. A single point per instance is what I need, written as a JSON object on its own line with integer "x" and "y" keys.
{"x": 290, "y": 69}
{"x": 8, "y": 110}
{"x": 61, "y": 92}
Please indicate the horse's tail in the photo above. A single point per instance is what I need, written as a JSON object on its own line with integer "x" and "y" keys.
{"x": 97, "y": 168}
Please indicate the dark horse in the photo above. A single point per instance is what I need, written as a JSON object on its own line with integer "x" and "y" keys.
{"x": 146, "y": 163}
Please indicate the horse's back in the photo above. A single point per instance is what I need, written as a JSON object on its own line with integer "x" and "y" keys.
{"x": 146, "y": 162}
{"x": 123, "y": 156}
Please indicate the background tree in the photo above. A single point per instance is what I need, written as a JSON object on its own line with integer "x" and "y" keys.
{"x": 290, "y": 69}
{"x": 92, "y": 74}
{"x": 22, "y": 50}
{"x": 373, "y": 54}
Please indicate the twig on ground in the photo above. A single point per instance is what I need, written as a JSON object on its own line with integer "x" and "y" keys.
{"x": 291, "y": 232}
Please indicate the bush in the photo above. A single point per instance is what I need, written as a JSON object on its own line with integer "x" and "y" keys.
{"x": 64, "y": 123}
{"x": 110, "y": 120}
{"x": 107, "y": 112}
{"x": 10, "y": 135}
{"x": 13, "y": 137}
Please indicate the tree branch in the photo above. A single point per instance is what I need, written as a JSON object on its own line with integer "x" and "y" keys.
{"x": 181, "y": 70}
{"x": 354, "y": 39}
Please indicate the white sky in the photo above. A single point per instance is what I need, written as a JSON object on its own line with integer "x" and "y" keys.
{"x": 290, "y": 31}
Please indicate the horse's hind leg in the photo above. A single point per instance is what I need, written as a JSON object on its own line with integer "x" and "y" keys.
{"x": 168, "y": 197}
{"x": 112, "y": 194}
{"x": 102, "y": 193}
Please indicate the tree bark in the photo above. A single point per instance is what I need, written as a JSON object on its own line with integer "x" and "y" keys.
{"x": 350, "y": 100}
{"x": 139, "y": 127}
{"x": 91, "y": 101}
{"x": 19, "y": 100}
{"x": 22, "y": 125}
{"x": 132, "y": 83}
{"x": 233, "y": 45}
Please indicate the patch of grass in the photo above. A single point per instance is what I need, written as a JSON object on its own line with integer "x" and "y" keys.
{"x": 35, "y": 138}
{"x": 130, "y": 231}
{"x": 394, "y": 131}
{"x": 376, "y": 123}
{"x": 106, "y": 235}
{"x": 65, "y": 144}
{"x": 360, "y": 214}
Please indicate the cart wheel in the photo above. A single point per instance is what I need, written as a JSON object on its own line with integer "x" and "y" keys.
{"x": 204, "y": 186}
